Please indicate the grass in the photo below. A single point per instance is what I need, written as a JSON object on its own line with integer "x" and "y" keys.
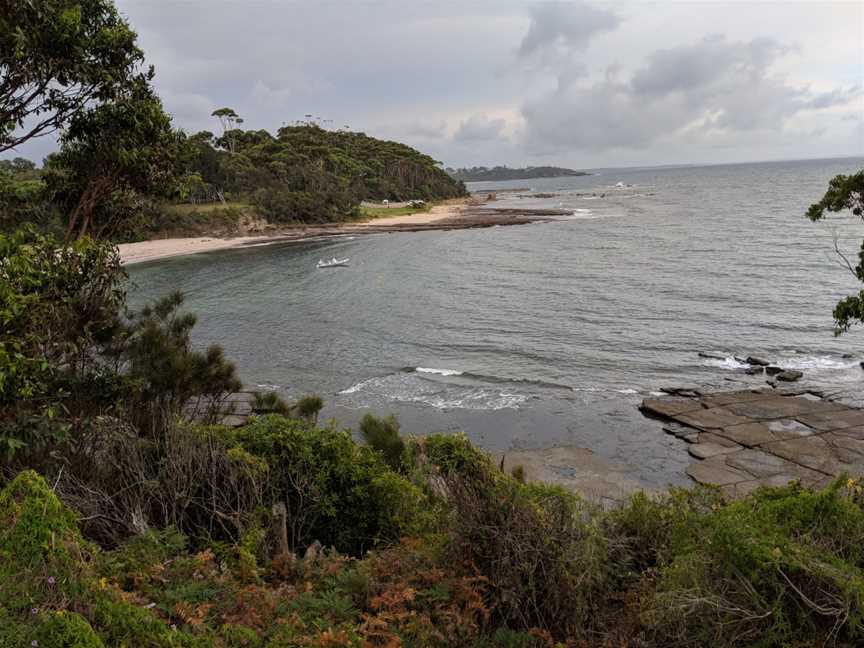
{"x": 390, "y": 212}
{"x": 184, "y": 209}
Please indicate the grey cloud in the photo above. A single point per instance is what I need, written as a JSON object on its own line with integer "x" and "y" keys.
{"x": 571, "y": 24}
{"x": 397, "y": 69}
{"x": 479, "y": 128}
{"x": 713, "y": 85}
{"x": 708, "y": 61}
{"x": 431, "y": 130}
{"x": 835, "y": 97}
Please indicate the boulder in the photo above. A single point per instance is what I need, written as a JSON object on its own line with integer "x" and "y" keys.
{"x": 773, "y": 370}
{"x": 790, "y": 375}
{"x": 751, "y": 360}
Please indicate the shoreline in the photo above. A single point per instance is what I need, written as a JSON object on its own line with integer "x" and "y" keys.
{"x": 462, "y": 213}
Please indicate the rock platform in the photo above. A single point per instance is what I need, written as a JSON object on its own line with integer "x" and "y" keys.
{"x": 577, "y": 469}
{"x": 742, "y": 440}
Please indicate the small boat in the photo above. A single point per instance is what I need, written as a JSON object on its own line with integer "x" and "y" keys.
{"x": 334, "y": 263}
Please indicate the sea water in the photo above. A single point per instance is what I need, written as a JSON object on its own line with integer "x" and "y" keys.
{"x": 551, "y": 333}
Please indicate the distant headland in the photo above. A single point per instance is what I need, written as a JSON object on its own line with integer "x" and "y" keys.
{"x": 481, "y": 174}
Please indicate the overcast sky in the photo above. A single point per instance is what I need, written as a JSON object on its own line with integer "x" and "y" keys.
{"x": 581, "y": 84}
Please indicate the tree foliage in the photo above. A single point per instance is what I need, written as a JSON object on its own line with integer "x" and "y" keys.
{"x": 70, "y": 353}
{"x": 57, "y": 56}
{"x": 109, "y": 155}
{"x": 845, "y": 192}
{"x": 309, "y": 174}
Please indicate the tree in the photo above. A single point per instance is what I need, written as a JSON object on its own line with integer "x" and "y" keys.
{"x": 58, "y": 305}
{"x": 71, "y": 353}
{"x": 229, "y": 120}
{"x": 125, "y": 145}
{"x": 57, "y": 57}
{"x": 18, "y": 166}
{"x": 845, "y": 193}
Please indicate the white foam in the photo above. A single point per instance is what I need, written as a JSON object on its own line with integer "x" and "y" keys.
{"x": 440, "y": 372}
{"x": 355, "y": 388}
{"x": 476, "y": 400}
{"x": 407, "y": 388}
{"x": 729, "y": 363}
{"x": 816, "y": 363}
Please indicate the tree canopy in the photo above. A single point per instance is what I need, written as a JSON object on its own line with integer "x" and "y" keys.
{"x": 845, "y": 192}
{"x": 126, "y": 145}
{"x": 57, "y": 56}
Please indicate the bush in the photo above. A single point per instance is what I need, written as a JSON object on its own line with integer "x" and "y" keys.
{"x": 270, "y": 403}
{"x": 453, "y": 455}
{"x": 70, "y": 356}
{"x": 383, "y": 435}
{"x": 781, "y": 567}
{"x": 280, "y": 205}
{"x": 43, "y": 559}
{"x": 168, "y": 373}
{"x": 66, "y": 630}
{"x": 308, "y": 408}
{"x": 336, "y": 491}
{"x": 540, "y": 548}
{"x": 192, "y": 479}
{"x": 58, "y": 306}
{"x": 123, "y": 624}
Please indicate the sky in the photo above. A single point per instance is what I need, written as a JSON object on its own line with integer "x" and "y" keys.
{"x": 576, "y": 83}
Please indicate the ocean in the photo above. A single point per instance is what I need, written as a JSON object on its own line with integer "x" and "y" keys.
{"x": 551, "y": 333}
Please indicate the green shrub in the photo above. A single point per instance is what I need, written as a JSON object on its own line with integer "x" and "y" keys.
{"x": 337, "y": 492}
{"x": 453, "y": 455}
{"x": 540, "y": 547}
{"x": 308, "y": 407}
{"x": 123, "y": 625}
{"x": 270, "y": 403}
{"x": 43, "y": 559}
{"x": 66, "y": 630}
{"x": 132, "y": 561}
{"x": 281, "y": 205}
{"x": 647, "y": 528}
{"x": 781, "y": 567}
{"x": 237, "y": 636}
{"x": 383, "y": 435}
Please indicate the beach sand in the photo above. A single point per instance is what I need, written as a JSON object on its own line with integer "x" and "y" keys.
{"x": 163, "y": 248}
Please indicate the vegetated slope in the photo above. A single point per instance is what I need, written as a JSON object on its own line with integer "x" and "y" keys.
{"x": 304, "y": 174}
{"x": 308, "y": 174}
{"x": 478, "y": 174}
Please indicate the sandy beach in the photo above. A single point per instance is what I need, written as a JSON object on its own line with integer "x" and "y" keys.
{"x": 152, "y": 250}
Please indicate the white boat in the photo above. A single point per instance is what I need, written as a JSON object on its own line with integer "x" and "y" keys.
{"x": 333, "y": 263}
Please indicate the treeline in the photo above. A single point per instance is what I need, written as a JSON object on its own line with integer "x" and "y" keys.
{"x": 478, "y": 174}
{"x": 309, "y": 174}
{"x": 75, "y": 69}
{"x": 304, "y": 174}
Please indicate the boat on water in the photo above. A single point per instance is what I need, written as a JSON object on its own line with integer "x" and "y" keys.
{"x": 333, "y": 263}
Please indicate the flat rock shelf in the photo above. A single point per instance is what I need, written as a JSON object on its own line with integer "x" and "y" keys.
{"x": 742, "y": 440}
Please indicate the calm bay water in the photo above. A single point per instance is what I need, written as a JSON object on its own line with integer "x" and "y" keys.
{"x": 551, "y": 333}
